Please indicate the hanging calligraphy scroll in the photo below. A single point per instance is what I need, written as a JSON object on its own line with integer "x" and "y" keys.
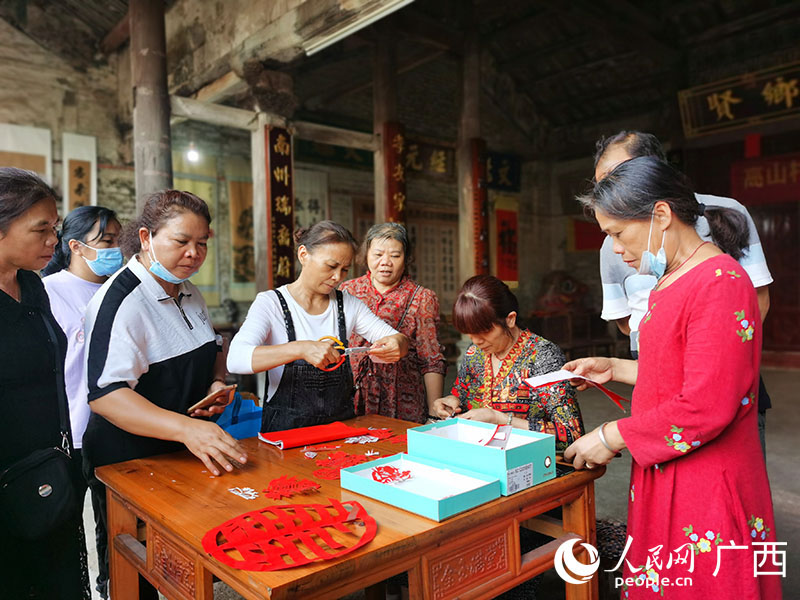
{"x": 480, "y": 207}
{"x": 79, "y": 159}
{"x": 506, "y": 209}
{"x": 766, "y": 180}
{"x": 503, "y": 172}
{"x": 280, "y": 205}
{"x": 394, "y": 149}
{"x": 769, "y": 95}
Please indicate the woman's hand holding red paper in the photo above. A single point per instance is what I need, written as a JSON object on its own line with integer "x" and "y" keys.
{"x": 597, "y": 368}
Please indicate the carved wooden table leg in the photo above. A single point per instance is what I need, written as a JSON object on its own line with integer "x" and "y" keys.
{"x": 579, "y": 518}
{"x": 123, "y": 575}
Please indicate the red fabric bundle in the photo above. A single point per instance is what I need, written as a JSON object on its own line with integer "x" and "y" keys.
{"x": 304, "y": 436}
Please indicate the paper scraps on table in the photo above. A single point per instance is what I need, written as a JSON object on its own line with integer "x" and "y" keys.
{"x": 562, "y": 375}
{"x": 361, "y": 439}
{"x": 371, "y": 453}
{"x": 310, "y": 454}
{"x": 389, "y": 474}
{"x": 381, "y": 434}
{"x": 321, "y": 448}
{"x": 399, "y": 439}
{"x": 292, "y": 535}
{"x": 336, "y": 461}
{"x": 286, "y": 487}
{"x": 246, "y": 493}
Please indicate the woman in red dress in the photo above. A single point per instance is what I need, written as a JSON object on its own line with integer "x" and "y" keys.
{"x": 699, "y": 500}
{"x": 406, "y": 389}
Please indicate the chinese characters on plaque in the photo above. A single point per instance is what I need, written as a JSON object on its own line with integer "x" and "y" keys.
{"x": 767, "y": 95}
{"x": 281, "y": 204}
{"x": 394, "y": 152}
{"x": 80, "y": 183}
{"x": 766, "y": 180}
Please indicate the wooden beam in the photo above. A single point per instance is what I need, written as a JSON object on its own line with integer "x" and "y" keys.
{"x": 564, "y": 74}
{"x": 334, "y": 135}
{"x": 221, "y": 89}
{"x": 752, "y": 21}
{"x": 117, "y": 36}
{"x": 217, "y": 114}
{"x": 417, "y": 25}
{"x": 365, "y": 82}
{"x": 532, "y": 55}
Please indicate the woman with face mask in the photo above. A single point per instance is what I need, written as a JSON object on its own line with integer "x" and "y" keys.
{"x": 489, "y": 386}
{"x": 698, "y": 478}
{"x": 152, "y": 352}
{"x": 406, "y": 389}
{"x": 283, "y": 334}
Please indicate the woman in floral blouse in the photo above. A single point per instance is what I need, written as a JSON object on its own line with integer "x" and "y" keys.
{"x": 502, "y": 355}
{"x": 406, "y": 389}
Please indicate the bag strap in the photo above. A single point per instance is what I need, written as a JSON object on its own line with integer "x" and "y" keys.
{"x": 408, "y": 307}
{"x": 63, "y": 421}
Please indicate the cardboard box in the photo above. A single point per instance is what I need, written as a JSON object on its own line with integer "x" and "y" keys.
{"x": 528, "y": 458}
{"x": 435, "y": 490}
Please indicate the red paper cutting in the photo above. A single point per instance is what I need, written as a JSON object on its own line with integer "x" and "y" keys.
{"x": 389, "y": 474}
{"x": 286, "y": 487}
{"x": 292, "y": 535}
{"x": 381, "y": 434}
{"x": 334, "y": 462}
{"x": 399, "y": 439}
{"x": 326, "y": 473}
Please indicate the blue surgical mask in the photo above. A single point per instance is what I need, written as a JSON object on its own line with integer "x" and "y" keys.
{"x": 653, "y": 264}
{"x": 159, "y": 270}
{"x": 107, "y": 262}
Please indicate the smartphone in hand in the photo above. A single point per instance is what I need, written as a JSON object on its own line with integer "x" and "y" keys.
{"x": 223, "y": 396}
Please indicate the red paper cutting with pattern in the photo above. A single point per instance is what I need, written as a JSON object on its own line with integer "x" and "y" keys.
{"x": 286, "y": 487}
{"x": 292, "y": 535}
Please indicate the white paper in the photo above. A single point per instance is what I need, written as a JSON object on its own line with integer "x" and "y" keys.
{"x": 554, "y": 377}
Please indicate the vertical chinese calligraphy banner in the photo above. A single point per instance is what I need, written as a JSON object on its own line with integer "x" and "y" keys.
{"x": 280, "y": 205}
{"x": 394, "y": 147}
{"x": 506, "y": 240}
{"x": 768, "y": 180}
{"x": 79, "y": 179}
{"x": 769, "y": 95}
{"x": 480, "y": 207}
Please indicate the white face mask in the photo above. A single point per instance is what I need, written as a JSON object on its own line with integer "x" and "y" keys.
{"x": 653, "y": 264}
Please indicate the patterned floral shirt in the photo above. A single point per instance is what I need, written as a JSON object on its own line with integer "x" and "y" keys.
{"x": 397, "y": 390}
{"x": 551, "y": 409}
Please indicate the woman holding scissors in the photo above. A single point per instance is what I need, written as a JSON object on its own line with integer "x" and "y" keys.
{"x": 294, "y": 332}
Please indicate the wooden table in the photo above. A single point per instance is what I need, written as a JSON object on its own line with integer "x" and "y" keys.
{"x": 170, "y": 501}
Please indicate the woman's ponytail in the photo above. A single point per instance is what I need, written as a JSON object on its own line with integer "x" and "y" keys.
{"x": 60, "y": 260}
{"x": 729, "y": 230}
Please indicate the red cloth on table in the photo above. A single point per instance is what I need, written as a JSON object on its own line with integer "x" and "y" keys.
{"x": 304, "y": 436}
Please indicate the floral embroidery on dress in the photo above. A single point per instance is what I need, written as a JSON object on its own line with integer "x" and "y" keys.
{"x": 675, "y": 439}
{"x": 733, "y": 274}
{"x": 632, "y": 485}
{"x": 650, "y": 579}
{"x": 758, "y": 529}
{"x": 746, "y": 331}
{"x": 749, "y": 399}
{"x": 702, "y": 542}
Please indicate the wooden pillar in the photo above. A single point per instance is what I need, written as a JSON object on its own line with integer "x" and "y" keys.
{"x": 151, "y": 133}
{"x": 384, "y": 102}
{"x": 473, "y": 257}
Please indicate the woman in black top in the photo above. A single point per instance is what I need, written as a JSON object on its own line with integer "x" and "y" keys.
{"x": 54, "y": 567}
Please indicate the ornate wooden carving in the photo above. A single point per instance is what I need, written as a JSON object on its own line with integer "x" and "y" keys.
{"x": 172, "y": 565}
{"x": 475, "y": 564}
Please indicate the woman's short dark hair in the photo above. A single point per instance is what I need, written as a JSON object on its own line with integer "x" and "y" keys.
{"x": 77, "y": 226}
{"x": 483, "y": 301}
{"x": 20, "y": 190}
{"x": 160, "y": 207}
{"x": 631, "y": 190}
{"x": 388, "y": 231}
{"x": 636, "y": 144}
{"x": 322, "y": 234}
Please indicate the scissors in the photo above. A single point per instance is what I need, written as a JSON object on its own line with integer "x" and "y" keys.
{"x": 345, "y": 352}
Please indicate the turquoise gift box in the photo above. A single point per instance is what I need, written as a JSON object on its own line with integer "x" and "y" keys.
{"x": 435, "y": 490}
{"x": 528, "y": 458}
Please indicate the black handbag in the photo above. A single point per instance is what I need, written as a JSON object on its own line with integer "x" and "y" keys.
{"x": 37, "y": 493}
